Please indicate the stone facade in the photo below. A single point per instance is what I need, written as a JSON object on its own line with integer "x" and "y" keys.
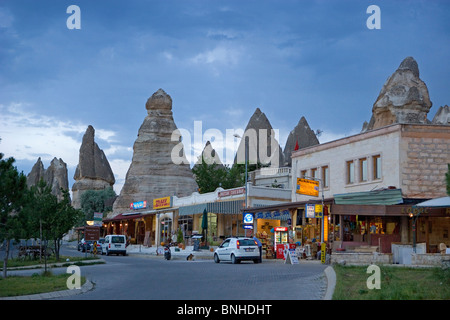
{"x": 412, "y": 157}
{"x": 425, "y": 155}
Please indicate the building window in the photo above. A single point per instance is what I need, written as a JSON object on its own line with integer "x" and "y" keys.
{"x": 314, "y": 173}
{"x": 325, "y": 176}
{"x": 350, "y": 172}
{"x": 303, "y": 174}
{"x": 376, "y": 160}
{"x": 363, "y": 169}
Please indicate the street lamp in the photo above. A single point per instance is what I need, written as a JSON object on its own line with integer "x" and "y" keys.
{"x": 245, "y": 151}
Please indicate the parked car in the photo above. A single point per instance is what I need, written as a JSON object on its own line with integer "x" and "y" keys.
{"x": 237, "y": 249}
{"x": 84, "y": 245}
{"x": 115, "y": 243}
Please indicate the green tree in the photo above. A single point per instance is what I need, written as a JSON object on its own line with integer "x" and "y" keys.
{"x": 13, "y": 189}
{"x": 209, "y": 176}
{"x": 96, "y": 201}
{"x": 64, "y": 219}
{"x": 42, "y": 214}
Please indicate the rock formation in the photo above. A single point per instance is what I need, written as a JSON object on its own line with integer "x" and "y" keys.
{"x": 210, "y": 156}
{"x": 263, "y": 148}
{"x": 93, "y": 171}
{"x": 404, "y": 98}
{"x": 159, "y": 167}
{"x": 442, "y": 116}
{"x": 303, "y": 136}
{"x": 55, "y": 176}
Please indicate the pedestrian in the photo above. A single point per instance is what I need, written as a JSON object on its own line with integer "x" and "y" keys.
{"x": 259, "y": 247}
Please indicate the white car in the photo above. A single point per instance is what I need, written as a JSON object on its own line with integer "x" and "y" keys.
{"x": 115, "y": 243}
{"x": 237, "y": 249}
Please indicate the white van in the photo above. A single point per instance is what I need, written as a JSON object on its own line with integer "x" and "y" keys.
{"x": 115, "y": 243}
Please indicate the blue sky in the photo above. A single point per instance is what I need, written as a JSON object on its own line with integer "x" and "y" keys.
{"x": 218, "y": 60}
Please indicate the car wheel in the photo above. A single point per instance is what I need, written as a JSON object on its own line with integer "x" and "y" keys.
{"x": 216, "y": 258}
{"x": 233, "y": 259}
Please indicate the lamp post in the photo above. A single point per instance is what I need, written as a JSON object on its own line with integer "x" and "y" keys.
{"x": 245, "y": 158}
{"x": 414, "y": 215}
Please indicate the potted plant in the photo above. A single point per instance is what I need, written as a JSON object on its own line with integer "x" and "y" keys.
{"x": 180, "y": 239}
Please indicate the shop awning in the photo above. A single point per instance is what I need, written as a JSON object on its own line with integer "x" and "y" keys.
{"x": 220, "y": 207}
{"x": 123, "y": 216}
{"x": 443, "y": 202}
{"x": 375, "y": 197}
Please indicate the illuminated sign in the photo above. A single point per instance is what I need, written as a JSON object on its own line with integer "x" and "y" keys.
{"x": 161, "y": 203}
{"x": 248, "y": 217}
{"x": 310, "y": 211}
{"x": 307, "y": 187}
{"x": 138, "y": 205}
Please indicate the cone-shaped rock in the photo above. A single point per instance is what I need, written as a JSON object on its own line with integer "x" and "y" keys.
{"x": 210, "y": 156}
{"x": 55, "y": 176}
{"x": 404, "y": 98}
{"x": 159, "y": 167}
{"x": 93, "y": 171}
{"x": 442, "y": 116}
{"x": 301, "y": 135}
{"x": 263, "y": 148}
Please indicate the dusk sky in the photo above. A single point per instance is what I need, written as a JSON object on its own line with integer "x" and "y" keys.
{"x": 218, "y": 60}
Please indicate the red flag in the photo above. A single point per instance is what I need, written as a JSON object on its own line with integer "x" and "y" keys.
{"x": 296, "y": 146}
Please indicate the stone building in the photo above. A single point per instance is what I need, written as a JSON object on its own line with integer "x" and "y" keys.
{"x": 372, "y": 180}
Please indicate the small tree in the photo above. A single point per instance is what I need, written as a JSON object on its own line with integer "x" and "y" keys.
{"x": 95, "y": 201}
{"x": 13, "y": 189}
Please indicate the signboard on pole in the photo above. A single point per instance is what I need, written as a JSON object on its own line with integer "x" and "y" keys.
{"x": 307, "y": 187}
{"x": 98, "y": 216}
{"x": 323, "y": 252}
{"x": 91, "y": 233}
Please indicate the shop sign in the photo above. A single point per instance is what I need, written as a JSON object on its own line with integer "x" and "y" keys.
{"x": 310, "y": 211}
{"x": 232, "y": 192}
{"x": 314, "y": 211}
{"x": 248, "y": 218}
{"x": 138, "y": 205}
{"x": 273, "y": 215}
{"x": 280, "y": 229}
{"x": 161, "y": 203}
{"x": 307, "y": 187}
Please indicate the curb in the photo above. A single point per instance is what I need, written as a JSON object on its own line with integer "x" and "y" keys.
{"x": 87, "y": 286}
{"x": 331, "y": 280}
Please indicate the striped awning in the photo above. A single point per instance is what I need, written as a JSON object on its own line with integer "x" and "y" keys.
{"x": 220, "y": 207}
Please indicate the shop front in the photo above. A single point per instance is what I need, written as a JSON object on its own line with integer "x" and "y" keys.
{"x": 224, "y": 219}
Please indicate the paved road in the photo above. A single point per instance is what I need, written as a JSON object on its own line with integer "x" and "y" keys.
{"x": 143, "y": 277}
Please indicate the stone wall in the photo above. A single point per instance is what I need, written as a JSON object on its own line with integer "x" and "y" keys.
{"x": 430, "y": 259}
{"x": 361, "y": 258}
{"x": 425, "y": 152}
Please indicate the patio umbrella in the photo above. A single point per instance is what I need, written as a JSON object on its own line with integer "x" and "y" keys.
{"x": 443, "y": 202}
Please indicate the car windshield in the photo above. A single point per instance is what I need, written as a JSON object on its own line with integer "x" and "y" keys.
{"x": 117, "y": 239}
{"x": 247, "y": 242}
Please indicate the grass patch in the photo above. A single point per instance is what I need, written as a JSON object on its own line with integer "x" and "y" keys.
{"x": 37, "y": 283}
{"x": 397, "y": 283}
{"x": 19, "y": 262}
